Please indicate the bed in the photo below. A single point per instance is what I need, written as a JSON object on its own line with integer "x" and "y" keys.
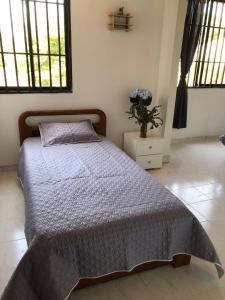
{"x": 92, "y": 215}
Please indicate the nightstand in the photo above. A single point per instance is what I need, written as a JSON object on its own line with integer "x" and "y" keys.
{"x": 147, "y": 152}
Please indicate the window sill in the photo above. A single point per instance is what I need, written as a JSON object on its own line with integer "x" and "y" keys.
{"x": 207, "y": 87}
{"x": 37, "y": 91}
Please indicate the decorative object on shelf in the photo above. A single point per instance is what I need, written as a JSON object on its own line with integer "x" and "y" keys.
{"x": 141, "y": 99}
{"x": 120, "y": 20}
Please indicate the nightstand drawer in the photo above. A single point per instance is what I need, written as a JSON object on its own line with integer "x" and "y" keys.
{"x": 149, "y": 147}
{"x": 150, "y": 161}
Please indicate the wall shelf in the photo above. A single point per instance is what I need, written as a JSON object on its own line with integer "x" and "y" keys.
{"x": 120, "y": 21}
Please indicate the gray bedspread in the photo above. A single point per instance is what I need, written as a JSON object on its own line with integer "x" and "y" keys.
{"x": 90, "y": 211}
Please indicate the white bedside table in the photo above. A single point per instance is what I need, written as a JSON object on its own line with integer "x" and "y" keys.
{"x": 147, "y": 152}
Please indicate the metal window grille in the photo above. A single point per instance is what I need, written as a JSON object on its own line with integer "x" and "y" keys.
{"x": 208, "y": 67}
{"x": 35, "y": 46}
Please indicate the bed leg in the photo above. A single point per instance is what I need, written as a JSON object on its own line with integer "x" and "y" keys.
{"x": 181, "y": 260}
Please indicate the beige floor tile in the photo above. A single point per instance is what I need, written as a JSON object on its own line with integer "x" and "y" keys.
{"x": 106, "y": 291}
{"x": 196, "y": 214}
{"x": 149, "y": 285}
{"x": 201, "y": 182}
{"x": 164, "y": 283}
{"x": 12, "y": 215}
{"x": 12, "y": 229}
{"x": 11, "y": 207}
{"x": 186, "y": 281}
{"x": 10, "y": 255}
{"x": 132, "y": 287}
{"x": 176, "y": 184}
{"x": 215, "y": 228}
{"x": 190, "y": 195}
{"x": 210, "y": 209}
{"x": 212, "y": 294}
{"x": 212, "y": 190}
{"x": 12, "y": 252}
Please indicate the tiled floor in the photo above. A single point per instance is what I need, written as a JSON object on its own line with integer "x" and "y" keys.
{"x": 196, "y": 175}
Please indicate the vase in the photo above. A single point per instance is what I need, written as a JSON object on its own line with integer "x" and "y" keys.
{"x": 143, "y": 131}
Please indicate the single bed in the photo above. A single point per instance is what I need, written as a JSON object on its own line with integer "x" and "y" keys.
{"x": 92, "y": 215}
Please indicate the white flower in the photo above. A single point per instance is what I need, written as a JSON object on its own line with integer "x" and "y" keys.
{"x": 142, "y": 93}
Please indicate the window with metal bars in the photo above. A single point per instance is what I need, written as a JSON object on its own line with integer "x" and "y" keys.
{"x": 35, "y": 46}
{"x": 208, "y": 67}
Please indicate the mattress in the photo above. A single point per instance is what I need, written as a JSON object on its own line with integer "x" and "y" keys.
{"x": 91, "y": 211}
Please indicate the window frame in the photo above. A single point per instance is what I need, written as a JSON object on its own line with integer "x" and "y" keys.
{"x": 202, "y": 46}
{"x": 68, "y": 58}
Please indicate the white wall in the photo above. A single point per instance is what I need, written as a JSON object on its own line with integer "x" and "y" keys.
{"x": 206, "y": 114}
{"x": 106, "y": 67}
{"x": 172, "y": 35}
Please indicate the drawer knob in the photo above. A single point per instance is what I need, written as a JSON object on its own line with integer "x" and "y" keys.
{"x": 149, "y": 162}
{"x": 150, "y": 147}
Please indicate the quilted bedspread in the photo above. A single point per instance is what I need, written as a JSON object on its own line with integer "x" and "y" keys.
{"x": 91, "y": 211}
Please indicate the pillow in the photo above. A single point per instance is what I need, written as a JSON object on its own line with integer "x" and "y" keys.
{"x": 67, "y": 133}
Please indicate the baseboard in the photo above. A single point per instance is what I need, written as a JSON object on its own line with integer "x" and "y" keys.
{"x": 194, "y": 139}
{"x": 8, "y": 168}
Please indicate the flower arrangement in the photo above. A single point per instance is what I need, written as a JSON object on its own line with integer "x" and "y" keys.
{"x": 141, "y": 99}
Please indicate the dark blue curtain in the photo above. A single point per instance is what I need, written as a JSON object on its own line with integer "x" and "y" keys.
{"x": 192, "y": 31}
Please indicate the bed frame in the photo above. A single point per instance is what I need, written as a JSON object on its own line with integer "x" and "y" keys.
{"x": 27, "y": 131}
{"x": 178, "y": 261}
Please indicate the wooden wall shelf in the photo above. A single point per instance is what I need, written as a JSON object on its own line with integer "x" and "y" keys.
{"x": 120, "y": 21}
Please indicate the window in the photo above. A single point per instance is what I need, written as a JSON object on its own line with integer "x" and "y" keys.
{"x": 35, "y": 46}
{"x": 208, "y": 67}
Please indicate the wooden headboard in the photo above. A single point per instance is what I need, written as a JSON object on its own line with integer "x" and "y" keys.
{"x": 27, "y": 131}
